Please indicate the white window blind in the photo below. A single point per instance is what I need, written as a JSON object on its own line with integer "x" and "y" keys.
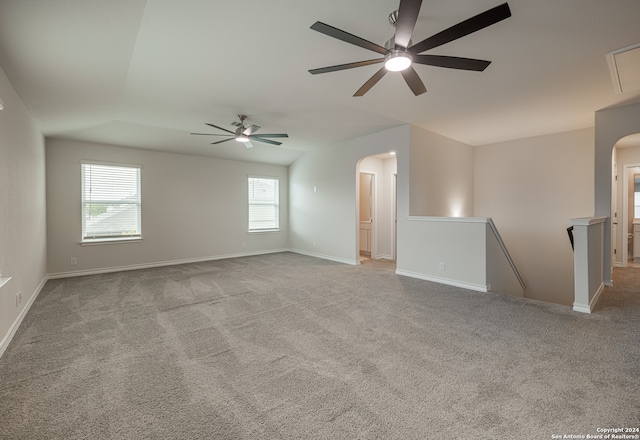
{"x": 263, "y": 204}
{"x": 111, "y": 201}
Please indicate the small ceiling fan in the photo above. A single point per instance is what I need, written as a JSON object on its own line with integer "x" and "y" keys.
{"x": 400, "y": 54}
{"x": 244, "y": 134}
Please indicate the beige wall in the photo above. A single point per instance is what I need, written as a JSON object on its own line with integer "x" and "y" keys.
{"x": 192, "y": 208}
{"x": 441, "y": 173}
{"x": 325, "y": 222}
{"x": 22, "y": 209}
{"x": 531, "y": 188}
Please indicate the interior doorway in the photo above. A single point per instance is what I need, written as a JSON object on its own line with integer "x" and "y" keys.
{"x": 625, "y": 218}
{"x": 631, "y": 216}
{"x": 366, "y": 205}
{"x": 376, "y": 208}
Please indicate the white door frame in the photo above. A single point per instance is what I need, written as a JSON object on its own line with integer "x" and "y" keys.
{"x": 625, "y": 212}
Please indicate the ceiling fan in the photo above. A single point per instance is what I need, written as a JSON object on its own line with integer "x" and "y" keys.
{"x": 244, "y": 133}
{"x": 400, "y": 54}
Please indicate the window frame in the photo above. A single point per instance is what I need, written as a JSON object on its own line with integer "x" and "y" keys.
{"x": 275, "y": 204}
{"x": 107, "y": 239}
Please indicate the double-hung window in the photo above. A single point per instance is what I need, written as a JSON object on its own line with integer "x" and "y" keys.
{"x": 111, "y": 203}
{"x": 264, "y": 207}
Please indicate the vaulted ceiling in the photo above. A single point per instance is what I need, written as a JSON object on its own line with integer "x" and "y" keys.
{"x": 146, "y": 73}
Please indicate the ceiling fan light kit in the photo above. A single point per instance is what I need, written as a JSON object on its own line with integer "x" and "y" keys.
{"x": 397, "y": 61}
{"x": 399, "y": 52}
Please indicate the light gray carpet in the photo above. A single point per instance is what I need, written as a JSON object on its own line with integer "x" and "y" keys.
{"x": 288, "y": 346}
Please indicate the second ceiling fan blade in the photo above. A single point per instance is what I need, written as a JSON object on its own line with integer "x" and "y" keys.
{"x": 407, "y": 16}
{"x": 266, "y": 141}
{"x": 347, "y": 37}
{"x": 413, "y": 81}
{"x": 219, "y": 128}
{"x": 371, "y": 82}
{"x": 345, "y": 66}
{"x": 473, "y": 24}
{"x": 452, "y": 62}
{"x": 225, "y": 140}
{"x": 209, "y": 134}
{"x": 274, "y": 135}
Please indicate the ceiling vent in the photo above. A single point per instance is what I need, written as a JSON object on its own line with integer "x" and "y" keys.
{"x": 624, "y": 65}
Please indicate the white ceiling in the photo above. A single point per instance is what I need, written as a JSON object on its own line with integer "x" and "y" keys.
{"x": 146, "y": 73}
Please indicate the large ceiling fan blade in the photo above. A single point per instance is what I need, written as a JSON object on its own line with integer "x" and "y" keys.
{"x": 473, "y": 24}
{"x": 219, "y": 128}
{"x": 452, "y": 62}
{"x": 407, "y": 16}
{"x": 248, "y": 144}
{"x": 413, "y": 81}
{"x": 209, "y": 134}
{"x": 345, "y": 66}
{"x": 266, "y": 141}
{"x": 371, "y": 82}
{"x": 225, "y": 140}
{"x": 347, "y": 37}
{"x": 274, "y": 135}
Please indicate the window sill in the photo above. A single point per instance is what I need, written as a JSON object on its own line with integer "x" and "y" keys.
{"x": 262, "y": 231}
{"x": 119, "y": 240}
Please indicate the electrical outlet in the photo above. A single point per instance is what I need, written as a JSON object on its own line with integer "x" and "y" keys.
{"x": 314, "y": 245}
{"x": 441, "y": 266}
{"x": 244, "y": 245}
{"x": 73, "y": 261}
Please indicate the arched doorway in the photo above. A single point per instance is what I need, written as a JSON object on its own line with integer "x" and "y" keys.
{"x": 611, "y": 125}
{"x": 376, "y": 207}
{"x": 625, "y": 228}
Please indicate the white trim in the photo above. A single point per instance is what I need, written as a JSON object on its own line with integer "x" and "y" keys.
{"x": 384, "y": 257}
{"x": 119, "y": 240}
{"x": 589, "y": 308}
{"x": 80, "y": 273}
{"x": 461, "y": 284}
{"x": 448, "y": 219}
{"x": 110, "y": 164}
{"x": 14, "y": 327}
{"x": 613, "y": 66}
{"x": 587, "y": 221}
{"x": 326, "y": 257}
{"x": 625, "y": 212}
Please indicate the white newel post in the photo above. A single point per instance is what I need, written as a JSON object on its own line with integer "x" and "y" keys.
{"x": 588, "y": 258}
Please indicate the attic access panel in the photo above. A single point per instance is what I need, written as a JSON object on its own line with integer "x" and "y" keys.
{"x": 624, "y": 65}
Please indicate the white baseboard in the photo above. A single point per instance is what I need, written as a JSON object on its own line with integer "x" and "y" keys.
{"x": 14, "y": 327}
{"x": 455, "y": 283}
{"x": 583, "y": 308}
{"x": 326, "y": 257}
{"x": 384, "y": 257}
{"x": 79, "y": 273}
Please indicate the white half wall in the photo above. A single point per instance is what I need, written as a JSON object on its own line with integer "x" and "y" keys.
{"x": 23, "y": 238}
{"x": 446, "y": 250}
{"x": 193, "y": 208}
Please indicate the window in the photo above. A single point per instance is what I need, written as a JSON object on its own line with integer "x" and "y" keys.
{"x": 110, "y": 202}
{"x": 264, "y": 209}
